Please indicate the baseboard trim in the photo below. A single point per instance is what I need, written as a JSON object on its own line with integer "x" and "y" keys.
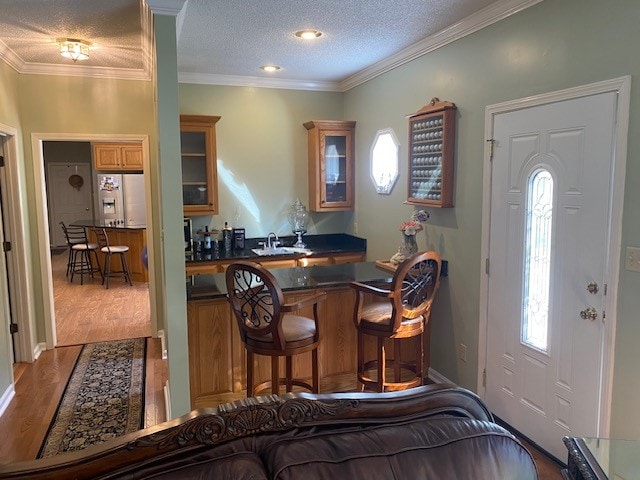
{"x": 437, "y": 377}
{"x": 39, "y": 348}
{"x": 6, "y": 398}
{"x": 163, "y": 344}
{"x": 167, "y": 401}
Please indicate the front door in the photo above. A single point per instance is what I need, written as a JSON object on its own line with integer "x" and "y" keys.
{"x": 549, "y": 233}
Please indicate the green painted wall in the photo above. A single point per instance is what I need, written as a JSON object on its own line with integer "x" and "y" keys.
{"x": 57, "y": 104}
{"x": 169, "y": 232}
{"x": 9, "y": 115}
{"x": 550, "y": 46}
{"x": 262, "y": 153}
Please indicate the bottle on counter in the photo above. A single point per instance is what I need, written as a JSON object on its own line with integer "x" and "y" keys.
{"x": 207, "y": 238}
{"x": 227, "y": 234}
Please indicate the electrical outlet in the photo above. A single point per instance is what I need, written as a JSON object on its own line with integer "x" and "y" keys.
{"x": 355, "y": 228}
{"x": 633, "y": 259}
{"x": 462, "y": 352}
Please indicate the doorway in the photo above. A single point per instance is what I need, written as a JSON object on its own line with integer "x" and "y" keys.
{"x": 550, "y": 240}
{"x": 5, "y": 289}
{"x": 85, "y": 311}
{"x": 47, "y": 263}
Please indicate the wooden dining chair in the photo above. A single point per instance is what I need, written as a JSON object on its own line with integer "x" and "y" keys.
{"x": 400, "y": 313}
{"x": 269, "y": 326}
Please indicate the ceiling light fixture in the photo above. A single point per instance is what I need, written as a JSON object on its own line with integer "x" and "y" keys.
{"x": 74, "y": 49}
{"x": 270, "y": 68}
{"x": 308, "y": 34}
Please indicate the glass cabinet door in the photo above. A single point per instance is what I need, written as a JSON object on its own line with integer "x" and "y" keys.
{"x": 335, "y": 168}
{"x": 194, "y": 169}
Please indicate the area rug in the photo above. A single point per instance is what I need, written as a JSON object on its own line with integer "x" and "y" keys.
{"x": 103, "y": 399}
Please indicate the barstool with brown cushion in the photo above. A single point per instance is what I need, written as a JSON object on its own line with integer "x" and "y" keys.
{"x": 399, "y": 313}
{"x": 270, "y": 327}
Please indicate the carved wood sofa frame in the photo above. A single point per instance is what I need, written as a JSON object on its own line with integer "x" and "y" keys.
{"x": 206, "y": 428}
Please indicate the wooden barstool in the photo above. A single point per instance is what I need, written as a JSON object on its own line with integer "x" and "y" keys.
{"x": 403, "y": 313}
{"x": 269, "y": 327}
{"x": 108, "y": 250}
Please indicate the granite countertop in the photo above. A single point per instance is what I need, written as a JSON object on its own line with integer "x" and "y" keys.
{"x": 213, "y": 286}
{"x": 105, "y": 224}
{"x": 318, "y": 245}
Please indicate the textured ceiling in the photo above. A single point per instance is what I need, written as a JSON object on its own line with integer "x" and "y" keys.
{"x": 227, "y": 37}
{"x": 29, "y": 28}
{"x": 224, "y": 41}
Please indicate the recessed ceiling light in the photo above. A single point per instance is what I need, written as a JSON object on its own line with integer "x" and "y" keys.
{"x": 308, "y": 34}
{"x": 270, "y": 68}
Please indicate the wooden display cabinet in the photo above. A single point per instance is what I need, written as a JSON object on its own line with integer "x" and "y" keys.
{"x": 331, "y": 165}
{"x": 432, "y": 135}
{"x": 199, "y": 164}
{"x": 114, "y": 156}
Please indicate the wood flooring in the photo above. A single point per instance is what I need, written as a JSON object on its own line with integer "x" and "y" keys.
{"x": 91, "y": 313}
{"x": 38, "y": 391}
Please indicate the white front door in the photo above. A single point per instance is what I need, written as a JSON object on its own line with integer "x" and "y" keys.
{"x": 68, "y": 201}
{"x": 549, "y": 234}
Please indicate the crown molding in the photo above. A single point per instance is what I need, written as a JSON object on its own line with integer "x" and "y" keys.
{"x": 10, "y": 57}
{"x": 487, "y": 16}
{"x": 247, "y": 81}
{"x": 166, "y": 7}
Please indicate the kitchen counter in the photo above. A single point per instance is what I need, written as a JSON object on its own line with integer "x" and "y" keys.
{"x": 318, "y": 245}
{"x": 213, "y": 286}
{"x": 135, "y": 237}
{"x": 105, "y": 224}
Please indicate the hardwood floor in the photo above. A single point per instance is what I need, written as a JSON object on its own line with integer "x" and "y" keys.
{"x": 91, "y": 313}
{"x": 39, "y": 389}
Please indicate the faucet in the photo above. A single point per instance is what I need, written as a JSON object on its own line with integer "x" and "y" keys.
{"x": 276, "y": 241}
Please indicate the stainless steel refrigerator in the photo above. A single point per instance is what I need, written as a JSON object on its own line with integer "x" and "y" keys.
{"x": 120, "y": 199}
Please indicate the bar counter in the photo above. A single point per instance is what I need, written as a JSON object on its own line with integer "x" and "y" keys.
{"x": 297, "y": 278}
{"x": 217, "y": 357}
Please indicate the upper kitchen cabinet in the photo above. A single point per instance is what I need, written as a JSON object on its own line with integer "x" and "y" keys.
{"x": 331, "y": 165}
{"x": 432, "y": 140}
{"x": 199, "y": 164}
{"x": 117, "y": 156}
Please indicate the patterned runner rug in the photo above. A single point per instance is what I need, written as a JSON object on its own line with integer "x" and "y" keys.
{"x": 103, "y": 399}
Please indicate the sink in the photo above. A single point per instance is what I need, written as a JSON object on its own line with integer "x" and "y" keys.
{"x": 279, "y": 251}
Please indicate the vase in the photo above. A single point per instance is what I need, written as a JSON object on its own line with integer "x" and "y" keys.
{"x": 409, "y": 245}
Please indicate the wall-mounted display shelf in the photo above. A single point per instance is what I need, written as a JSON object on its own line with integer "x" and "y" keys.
{"x": 432, "y": 135}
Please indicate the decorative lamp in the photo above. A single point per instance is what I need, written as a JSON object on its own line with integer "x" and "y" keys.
{"x": 74, "y": 49}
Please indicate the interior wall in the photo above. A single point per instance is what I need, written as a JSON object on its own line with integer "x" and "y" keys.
{"x": 9, "y": 115}
{"x": 80, "y": 106}
{"x": 550, "y": 46}
{"x": 262, "y": 154}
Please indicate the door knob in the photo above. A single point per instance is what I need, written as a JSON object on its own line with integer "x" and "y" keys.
{"x": 589, "y": 313}
{"x": 592, "y": 288}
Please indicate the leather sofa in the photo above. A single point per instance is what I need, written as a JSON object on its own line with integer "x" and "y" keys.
{"x": 434, "y": 432}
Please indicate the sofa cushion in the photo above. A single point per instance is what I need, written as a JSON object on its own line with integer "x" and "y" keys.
{"x": 233, "y": 462}
{"x": 447, "y": 447}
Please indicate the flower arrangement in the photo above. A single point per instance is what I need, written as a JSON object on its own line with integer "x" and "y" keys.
{"x": 413, "y": 226}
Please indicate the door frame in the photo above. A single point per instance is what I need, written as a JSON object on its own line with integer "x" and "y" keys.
{"x": 20, "y": 275}
{"x": 622, "y": 87}
{"x": 42, "y": 221}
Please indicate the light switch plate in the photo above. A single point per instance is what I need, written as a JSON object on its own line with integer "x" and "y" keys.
{"x": 633, "y": 259}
